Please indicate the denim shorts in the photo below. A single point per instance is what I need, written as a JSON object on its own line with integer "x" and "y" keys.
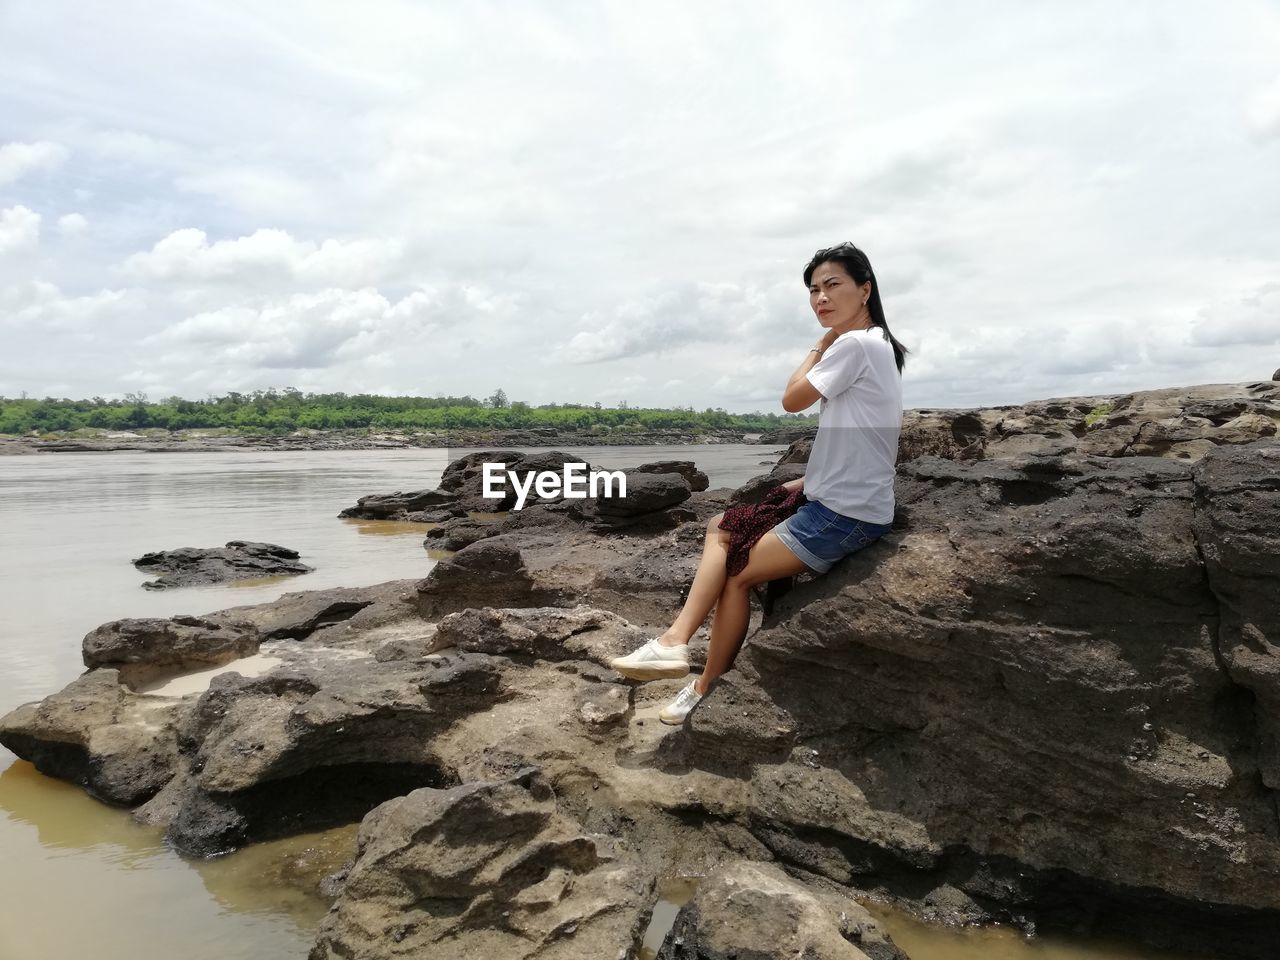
{"x": 819, "y": 536}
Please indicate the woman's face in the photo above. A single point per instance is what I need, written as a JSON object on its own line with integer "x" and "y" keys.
{"x": 834, "y": 297}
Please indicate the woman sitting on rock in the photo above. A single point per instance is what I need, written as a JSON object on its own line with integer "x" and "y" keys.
{"x": 843, "y": 502}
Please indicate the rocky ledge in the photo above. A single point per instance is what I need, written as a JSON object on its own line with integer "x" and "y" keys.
{"x": 1049, "y": 698}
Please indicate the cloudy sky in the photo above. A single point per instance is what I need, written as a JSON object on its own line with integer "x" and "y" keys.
{"x": 595, "y": 201}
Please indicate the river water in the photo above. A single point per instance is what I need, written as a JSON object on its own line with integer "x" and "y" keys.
{"x": 79, "y": 878}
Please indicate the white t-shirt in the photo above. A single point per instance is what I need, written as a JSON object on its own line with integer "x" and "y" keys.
{"x": 851, "y": 468}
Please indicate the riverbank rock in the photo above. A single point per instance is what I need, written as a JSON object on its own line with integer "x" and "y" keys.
{"x": 238, "y": 560}
{"x": 749, "y": 909}
{"x": 1050, "y": 685}
{"x": 696, "y": 479}
{"x": 435, "y": 504}
{"x": 315, "y": 745}
{"x": 1181, "y": 423}
{"x": 173, "y": 644}
{"x": 118, "y": 746}
{"x": 540, "y": 633}
{"x": 487, "y": 573}
{"x": 325, "y": 617}
{"x": 491, "y": 869}
{"x": 651, "y": 504}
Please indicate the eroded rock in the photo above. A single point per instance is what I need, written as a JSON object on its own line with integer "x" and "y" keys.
{"x": 302, "y": 748}
{"x": 488, "y": 868}
{"x": 752, "y": 909}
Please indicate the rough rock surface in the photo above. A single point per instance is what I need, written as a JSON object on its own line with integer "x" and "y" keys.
{"x": 177, "y": 643}
{"x": 324, "y": 616}
{"x": 547, "y": 633}
{"x": 488, "y": 573}
{"x": 238, "y": 560}
{"x": 749, "y": 909}
{"x": 490, "y": 869}
{"x": 314, "y": 745}
{"x": 1041, "y": 688}
{"x": 119, "y": 746}
{"x": 696, "y": 479}
{"x": 647, "y": 505}
{"x": 1182, "y": 423}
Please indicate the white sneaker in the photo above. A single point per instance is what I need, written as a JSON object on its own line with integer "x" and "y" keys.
{"x": 654, "y": 661}
{"x": 679, "y": 708}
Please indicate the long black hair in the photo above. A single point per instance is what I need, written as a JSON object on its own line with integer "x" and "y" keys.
{"x": 856, "y": 264}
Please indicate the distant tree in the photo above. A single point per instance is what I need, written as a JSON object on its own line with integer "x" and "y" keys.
{"x": 498, "y": 400}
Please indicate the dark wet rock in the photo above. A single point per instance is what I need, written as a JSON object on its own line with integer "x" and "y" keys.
{"x": 302, "y": 748}
{"x": 238, "y": 560}
{"x": 488, "y": 573}
{"x": 396, "y": 506}
{"x": 751, "y": 909}
{"x": 119, "y": 746}
{"x": 488, "y": 868}
{"x": 696, "y": 479}
{"x": 176, "y": 643}
{"x": 547, "y": 633}
{"x": 460, "y": 532}
{"x": 437, "y": 515}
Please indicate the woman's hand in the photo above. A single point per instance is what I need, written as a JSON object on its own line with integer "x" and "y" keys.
{"x": 791, "y": 486}
{"x": 827, "y": 340}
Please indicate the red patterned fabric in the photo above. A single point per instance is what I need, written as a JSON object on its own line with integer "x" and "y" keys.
{"x": 748, "y": 522}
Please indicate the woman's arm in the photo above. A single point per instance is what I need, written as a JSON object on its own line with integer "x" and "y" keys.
{"x": 794, "y": 485}
{"x": 800, "y": 393}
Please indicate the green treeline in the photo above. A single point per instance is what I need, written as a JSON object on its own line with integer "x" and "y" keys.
{"x": 278, "y": 412}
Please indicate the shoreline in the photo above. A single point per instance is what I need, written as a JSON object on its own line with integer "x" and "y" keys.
{"x": 307, "y": 441}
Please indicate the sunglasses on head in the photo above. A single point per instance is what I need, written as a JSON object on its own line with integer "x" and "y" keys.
{"x": 844, "y": 248}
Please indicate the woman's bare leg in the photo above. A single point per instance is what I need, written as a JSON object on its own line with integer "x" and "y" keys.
{"x": 770, "y": 559}
{"x": 707, "y": 584}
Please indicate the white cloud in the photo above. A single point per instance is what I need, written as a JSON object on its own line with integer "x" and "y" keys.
{"x": 72, "y": 224}
{"x": 187, "y": 255}
{"x": 259, "y": 192}
{"x": 19, "y": 159}
{"x": 637, "y": 189}
{"x": 693, "y": 313}
{"x": 42, "y": 307}
{"x": 19, "y": 230}
{"x": 304, "y": 331}
{"x": 1248, "y": 319}
{"x": 1263, "y": 111}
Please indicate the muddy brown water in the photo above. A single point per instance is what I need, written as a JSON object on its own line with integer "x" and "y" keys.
{"x": 82, "y": 879}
